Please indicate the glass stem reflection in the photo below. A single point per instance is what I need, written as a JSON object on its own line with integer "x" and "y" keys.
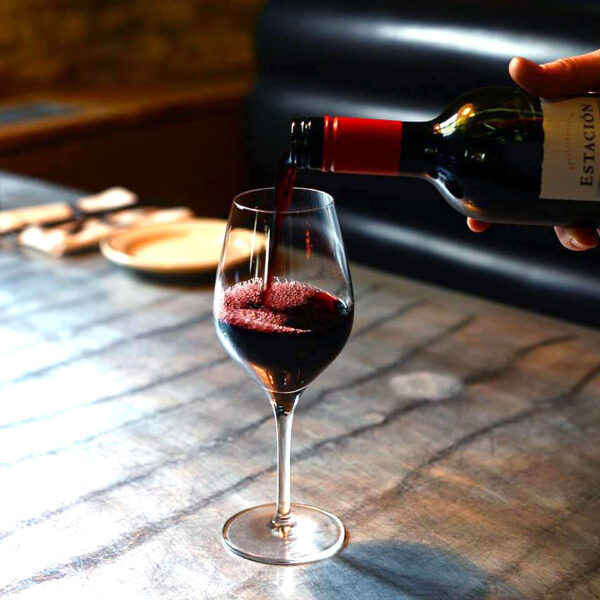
{"x": 283, "y": 408}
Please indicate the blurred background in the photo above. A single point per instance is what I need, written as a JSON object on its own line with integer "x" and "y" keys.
{"x": 189, "y": 102}
{"x": 144, "y": 93}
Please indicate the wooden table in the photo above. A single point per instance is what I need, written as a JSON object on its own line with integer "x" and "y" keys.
{"x": 457, "y": 439}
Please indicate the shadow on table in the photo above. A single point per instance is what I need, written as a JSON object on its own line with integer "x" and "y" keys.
{"x": 388, "y": 569}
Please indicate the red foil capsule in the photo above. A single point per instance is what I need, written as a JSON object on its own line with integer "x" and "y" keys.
{"x": 362, "y": 146}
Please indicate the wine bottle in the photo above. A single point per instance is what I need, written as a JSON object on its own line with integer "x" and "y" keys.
{"x": 496, "y": 154}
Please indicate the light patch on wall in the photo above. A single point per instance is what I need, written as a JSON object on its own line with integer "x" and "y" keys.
{"x": 481, "y": 41}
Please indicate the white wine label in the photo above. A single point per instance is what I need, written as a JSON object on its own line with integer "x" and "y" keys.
{"x": 571, "y": 164}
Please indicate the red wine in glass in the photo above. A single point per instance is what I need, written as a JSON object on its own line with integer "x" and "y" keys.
{"x": 288, "y": 342}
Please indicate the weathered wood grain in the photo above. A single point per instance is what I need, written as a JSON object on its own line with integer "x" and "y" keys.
{"x": 457, "y": 439}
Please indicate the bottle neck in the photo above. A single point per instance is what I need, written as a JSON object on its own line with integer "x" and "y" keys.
{"x": 418, "y": 148}
{"x": 306, "y": 145}
{"x": 361, "y": 146}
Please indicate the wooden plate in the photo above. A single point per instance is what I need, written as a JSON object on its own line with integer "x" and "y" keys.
{"x": 183, "y": 248}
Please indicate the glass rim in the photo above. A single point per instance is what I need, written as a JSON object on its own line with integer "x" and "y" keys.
{"x": 329, "y": 204}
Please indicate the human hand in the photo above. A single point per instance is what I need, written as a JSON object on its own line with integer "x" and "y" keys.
{"x": 564, "y": 77}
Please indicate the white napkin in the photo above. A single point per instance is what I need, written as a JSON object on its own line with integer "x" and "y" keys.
{"x": 17, "y": 218}
{"x": 64, "y": 239}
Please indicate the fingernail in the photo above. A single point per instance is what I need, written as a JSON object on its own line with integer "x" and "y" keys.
{"x": 530, "y": 63}
{"x": 578, "y": 245}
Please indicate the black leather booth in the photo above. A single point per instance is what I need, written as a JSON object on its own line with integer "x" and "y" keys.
{"x": 407, "y": 60}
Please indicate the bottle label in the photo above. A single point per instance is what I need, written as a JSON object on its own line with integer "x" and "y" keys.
{"x": 571, "y": 164}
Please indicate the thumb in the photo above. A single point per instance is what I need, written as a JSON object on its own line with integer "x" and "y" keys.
{"x": 563, "y": 77}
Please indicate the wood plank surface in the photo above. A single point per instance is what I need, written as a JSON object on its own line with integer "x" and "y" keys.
{"x": 456, "y": 438}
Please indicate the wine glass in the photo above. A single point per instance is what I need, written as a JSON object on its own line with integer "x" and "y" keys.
{"x": 284, "y": 312}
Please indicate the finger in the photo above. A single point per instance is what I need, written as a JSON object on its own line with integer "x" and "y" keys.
{"x": 577, "y": 238}
{"x": 476, "y": 226}
{"x": 563, "y": 77}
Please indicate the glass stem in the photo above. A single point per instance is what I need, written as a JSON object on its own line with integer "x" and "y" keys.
{"x": 283, "y": 408}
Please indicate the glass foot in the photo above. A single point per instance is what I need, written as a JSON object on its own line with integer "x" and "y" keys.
{"x": 316, "y": 535}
